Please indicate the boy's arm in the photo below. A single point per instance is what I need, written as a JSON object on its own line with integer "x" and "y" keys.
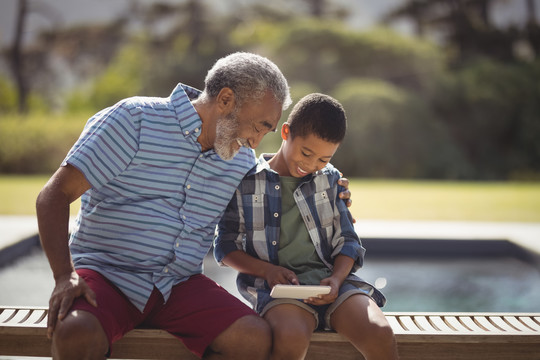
{"x": 247, "y": 264}
{"x": 229, "y": 245}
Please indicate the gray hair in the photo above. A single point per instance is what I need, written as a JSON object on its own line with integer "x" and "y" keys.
{"x": 249, "y": 76}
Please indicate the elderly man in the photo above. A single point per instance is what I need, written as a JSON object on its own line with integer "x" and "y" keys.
{"x": 155, "y": 175}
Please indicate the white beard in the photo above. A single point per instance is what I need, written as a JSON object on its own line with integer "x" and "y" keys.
{"x": 226, "y": 137}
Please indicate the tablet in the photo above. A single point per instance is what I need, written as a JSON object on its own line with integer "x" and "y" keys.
{"x": 298, "y": 291}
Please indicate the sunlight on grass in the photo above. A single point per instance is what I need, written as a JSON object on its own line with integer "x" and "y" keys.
{"x": 440, "y": 200}
{"x": 18, "y": 194}
{"x": 372, "y": 199}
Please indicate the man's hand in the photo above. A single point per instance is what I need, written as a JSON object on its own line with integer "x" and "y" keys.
{"x": 67, "y": 289}
{"x": 346, "y": 194}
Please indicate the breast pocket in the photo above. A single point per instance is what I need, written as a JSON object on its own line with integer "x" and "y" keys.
{"x": 324, "y": 208}
{"x": 253, "y": 205}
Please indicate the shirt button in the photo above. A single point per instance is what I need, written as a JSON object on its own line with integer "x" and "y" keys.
{"x": 187, "y": 132}
{"x": 184, "y": 217}
{"x": 276, "y": 214}
{"x": 166, "y": 270}
{"x": 276, "y": 187}
{"x": 196, "y": 129}
{"x": 274, "y": 242}
{"x": 177, "y": 244}
{"x": 200, "y": 155}
{"x": 189, "y": 186}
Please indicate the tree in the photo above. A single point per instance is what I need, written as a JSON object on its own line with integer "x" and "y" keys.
{"x": 16, "y": 56}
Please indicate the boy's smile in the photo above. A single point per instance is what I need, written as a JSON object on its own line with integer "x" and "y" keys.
{"x": 300, "y": 156}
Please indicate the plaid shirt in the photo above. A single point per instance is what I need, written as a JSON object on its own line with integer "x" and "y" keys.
{"x": 252, "y": 223}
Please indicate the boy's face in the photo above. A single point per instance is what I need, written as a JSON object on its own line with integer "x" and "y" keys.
{"x": 305, "y": 155}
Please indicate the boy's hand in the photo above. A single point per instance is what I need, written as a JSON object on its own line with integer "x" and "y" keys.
{"x": 279, "y": 275}
{"x": 329, "y": 298}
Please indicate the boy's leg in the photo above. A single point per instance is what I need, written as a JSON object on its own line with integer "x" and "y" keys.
{"x": 363, "y": 323}
{"x": 292, "y": 327}
{"x": 212, "y": 323}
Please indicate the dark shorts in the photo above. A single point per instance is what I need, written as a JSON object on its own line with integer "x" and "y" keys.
{"x": 197, "y": 311}
{"x": 322, "y": 313}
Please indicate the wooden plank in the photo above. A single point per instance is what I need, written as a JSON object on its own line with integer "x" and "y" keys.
{"x": 471, "y": 324}
{"x": 527, "y": 320}
{"x": 420, "y": 336}
{"x": 425, "y": 324}
{"x": 6, "y": 315}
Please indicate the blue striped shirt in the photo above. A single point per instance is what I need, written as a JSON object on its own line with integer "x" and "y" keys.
{"x": 155, "y": 198}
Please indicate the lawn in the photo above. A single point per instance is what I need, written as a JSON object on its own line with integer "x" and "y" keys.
{"x": 372, "y": 199}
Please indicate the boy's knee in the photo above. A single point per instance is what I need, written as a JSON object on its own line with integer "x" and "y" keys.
{"x": 250, "y": 337}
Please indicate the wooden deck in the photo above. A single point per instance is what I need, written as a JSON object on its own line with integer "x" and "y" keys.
{"x": 493, "y": 336}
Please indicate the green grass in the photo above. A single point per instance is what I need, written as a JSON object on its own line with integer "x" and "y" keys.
{"x": 372, "y": 199}
{"x": 18, "y": 194}
{"x": 440, "y": 200}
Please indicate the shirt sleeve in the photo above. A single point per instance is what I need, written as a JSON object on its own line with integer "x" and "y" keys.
{"x": 107, "y": 144}
{"x": 229, "y": 235}
{"x": 345, "y": 240}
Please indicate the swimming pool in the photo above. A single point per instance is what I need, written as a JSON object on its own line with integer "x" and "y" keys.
{"x": 476, "y": 284}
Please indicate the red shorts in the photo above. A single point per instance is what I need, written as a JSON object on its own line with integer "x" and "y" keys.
{"x": 197, "y": 311}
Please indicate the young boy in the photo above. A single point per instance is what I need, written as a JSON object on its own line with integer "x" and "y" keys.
{"x": 286, "y": 225}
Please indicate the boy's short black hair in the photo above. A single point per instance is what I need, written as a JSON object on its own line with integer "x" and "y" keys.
{"x": 320, "y": 115}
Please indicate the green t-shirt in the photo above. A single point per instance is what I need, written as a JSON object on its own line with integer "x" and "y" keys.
{"x": 296, "y": 251}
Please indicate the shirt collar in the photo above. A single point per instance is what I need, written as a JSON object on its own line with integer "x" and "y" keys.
{"x": 262, "y": 165}
{"x": 189, "y": 119}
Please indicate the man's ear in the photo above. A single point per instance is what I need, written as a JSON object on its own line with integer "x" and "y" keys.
{"x": 226, "y": 100}
{"x": 285, "y": 131}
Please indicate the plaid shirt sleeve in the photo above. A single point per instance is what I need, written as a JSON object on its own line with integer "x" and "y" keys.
{"x": 345, "y": 241}
{"x": 230, "y": 234}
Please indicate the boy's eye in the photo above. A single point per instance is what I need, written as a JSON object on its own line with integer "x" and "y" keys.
{"x": 303, "y": 153}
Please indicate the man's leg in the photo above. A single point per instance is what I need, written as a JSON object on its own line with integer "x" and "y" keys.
{"x": 87, "y": 332}
{"x": 213, "y": 323}
{"x": 79, "y": 336}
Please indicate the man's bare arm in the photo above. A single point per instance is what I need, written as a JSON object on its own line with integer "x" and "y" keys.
{"x": 52, "y": 206}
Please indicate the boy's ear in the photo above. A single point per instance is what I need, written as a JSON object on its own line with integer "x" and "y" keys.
{"x": 285, "y": 131}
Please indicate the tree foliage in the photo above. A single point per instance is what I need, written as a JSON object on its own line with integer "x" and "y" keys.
{"x": 465, "y": 108}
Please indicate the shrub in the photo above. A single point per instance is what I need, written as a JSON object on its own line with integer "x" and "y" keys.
{"x": 36, "y": 143}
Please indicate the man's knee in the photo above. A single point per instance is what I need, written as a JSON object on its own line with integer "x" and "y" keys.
{"x": 81, "y": 336}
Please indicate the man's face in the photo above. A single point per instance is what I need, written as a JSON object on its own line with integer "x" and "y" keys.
{"x": 246, "y": 126}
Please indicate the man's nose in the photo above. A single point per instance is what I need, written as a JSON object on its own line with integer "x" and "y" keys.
{"x": 256, "y": 139}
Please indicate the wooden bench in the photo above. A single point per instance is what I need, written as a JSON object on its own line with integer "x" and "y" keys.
{"x": 419, "y": 335}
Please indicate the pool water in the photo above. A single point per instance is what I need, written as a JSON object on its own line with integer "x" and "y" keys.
{"x": 498, "y": 284}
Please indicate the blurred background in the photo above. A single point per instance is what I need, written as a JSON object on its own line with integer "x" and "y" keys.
{"x": 440, "y": 89}
{"x": 442, "y": 97}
